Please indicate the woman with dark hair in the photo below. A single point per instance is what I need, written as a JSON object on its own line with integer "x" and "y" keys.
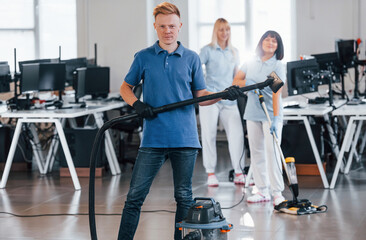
{"x": 265, "y": 159}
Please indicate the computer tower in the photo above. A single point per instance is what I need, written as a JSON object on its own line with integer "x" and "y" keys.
{"x": 23, "y": 151}
{"x": 80, "y": 142}
{"x": 295, "y": 142}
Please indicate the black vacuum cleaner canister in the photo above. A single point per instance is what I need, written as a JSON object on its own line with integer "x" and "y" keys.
{"x": 203, "y": 212}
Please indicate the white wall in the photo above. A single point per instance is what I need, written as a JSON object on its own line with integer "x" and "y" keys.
{"x": 321, "y": 22}
{"x": 119, "y": 29}
{"x": 123, "y": 27}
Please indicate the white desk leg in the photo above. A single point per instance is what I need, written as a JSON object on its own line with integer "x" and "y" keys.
{"x": 38, "y": 155}
{"x": 109, "y": 149}
{"x": 362, "y": 146}
{"x": 69, "y": 161}
{"x": 53, "y": 149}
{"x": 11, "y": 153}
{"x": 353, "y": 149}
{"x": 341, "y": 153}
{"x": 333, "y": 140}
{"x": 316, "y": 153}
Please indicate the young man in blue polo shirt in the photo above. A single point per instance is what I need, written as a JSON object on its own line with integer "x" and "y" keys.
{"x": 170, "y": 73}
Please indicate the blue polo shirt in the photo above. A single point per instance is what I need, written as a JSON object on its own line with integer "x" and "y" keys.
{"x": 220, "y": 66}
{"x": 168, "y": 78}
{"x": 256, "y": 71}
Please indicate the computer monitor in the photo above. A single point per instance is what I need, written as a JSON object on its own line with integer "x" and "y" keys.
{"x": 328, "y": 61}
{"x": 92, "y": 81}
{"x": 29, "y": 79}
{"x": 42, "y": 77}
{"x": 346, "y": 50}
{"x": 71, "y": 66}
{"x": 79, "y": 84}
{"x": 51, "y": 77}
{"x": 330, "y": 67}
{"x": 302, "y": 76}
{"x": 4, "y": 77}
{"x": 97, "y": 82}
{"x": 49, "y": 60}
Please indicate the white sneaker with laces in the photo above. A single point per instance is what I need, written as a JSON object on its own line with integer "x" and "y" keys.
{"x": 239, "y": 179}
{"x": 259, "y": 197}
{"x": 212, "y": 181}
{"x": 278, "y": 199}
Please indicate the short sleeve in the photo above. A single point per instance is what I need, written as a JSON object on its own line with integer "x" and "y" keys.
{"x": 198, "y": 81}
{"x": 204, "y": 55}
{"x": 135, "y": 74}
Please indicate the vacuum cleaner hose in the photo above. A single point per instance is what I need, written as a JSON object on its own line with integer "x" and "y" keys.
{"x": 272, "y": 81}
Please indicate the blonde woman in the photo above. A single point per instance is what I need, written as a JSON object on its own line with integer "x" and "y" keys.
{"x": 221, "y": 62}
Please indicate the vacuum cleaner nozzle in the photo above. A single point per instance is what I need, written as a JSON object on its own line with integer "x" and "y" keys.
{"x": 276, "y": 84}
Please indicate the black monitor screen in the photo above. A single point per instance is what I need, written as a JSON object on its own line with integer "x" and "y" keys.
{"x": 54, "y": 60}
{"x": 97, "y": 81}
{"x": 4, "y": 77}
{"x": 29, "y": 79}
{"x": 71, "y": 66}
{"x": 302, "y": 76}
{"x": 346, "y": 50}
{"x": 79, "y": 84}
{"x": 51, "y": 77}
{"x": 330, "y": 67}
{"x": 328, "y": 61}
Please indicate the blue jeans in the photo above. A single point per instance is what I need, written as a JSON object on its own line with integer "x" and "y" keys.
{"x": 148, "y": 163}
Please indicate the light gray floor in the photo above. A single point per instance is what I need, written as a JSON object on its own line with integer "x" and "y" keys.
{"x": 27, "y": 193}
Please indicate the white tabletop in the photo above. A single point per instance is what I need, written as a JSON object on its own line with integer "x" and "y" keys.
{"x": 312, "y": 109}
{"x": 350, "y": 110}
{"x": 92, "y": 107}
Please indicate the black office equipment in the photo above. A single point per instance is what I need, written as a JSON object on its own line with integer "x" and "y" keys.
{"x": 79, "y": 83}
{"x": 92, "y": 81}
{"x": 97, "y": 82}
{"x": 331, "y": 71}
{"x": 328, "y": 61}
{"x": 78, "y": 140}
{"x": 5, "y": 77}
{"x": 71, "y": 66}
{"x": 42, "y": 77}
{"x": 346, "y": 50}
{"x": 23, "y": 151}
{"x": 48, "y": 60}
{"x": 29, "y": 79}
{"x": 302, "y": 76}
{"x": 51, "y": 77}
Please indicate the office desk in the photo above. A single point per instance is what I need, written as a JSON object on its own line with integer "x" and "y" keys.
{"x": 303, "y": 114}
{"x": 356, "y": 114}
{"x": 58, "y": 117}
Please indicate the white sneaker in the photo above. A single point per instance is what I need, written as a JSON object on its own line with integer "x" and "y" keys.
{"x": 212, "y": 181}
{"x": 239, "y": 180}
{"x": 259, "y": 197}
{"x": 278, "y": 199}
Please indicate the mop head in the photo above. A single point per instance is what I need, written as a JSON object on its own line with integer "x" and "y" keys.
{"x": 299, "y": 207}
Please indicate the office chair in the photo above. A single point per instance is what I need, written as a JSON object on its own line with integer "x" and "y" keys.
{"x": 130, "y": 127}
